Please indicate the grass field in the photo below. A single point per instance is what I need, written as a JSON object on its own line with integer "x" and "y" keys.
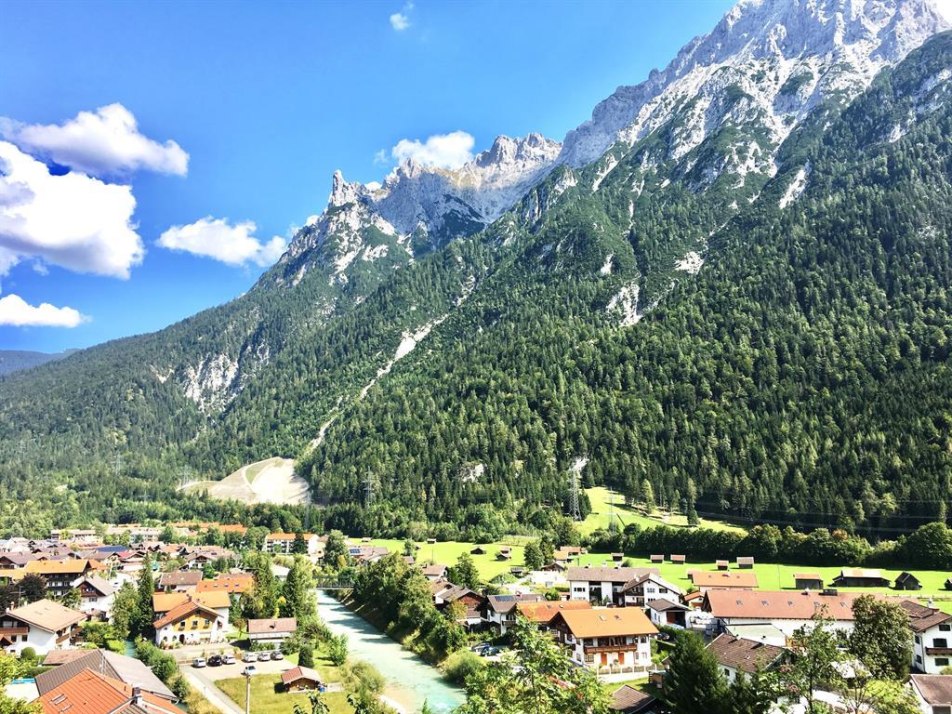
{"x": 604, "y": 511}
{"x": 447, "y": 554}
{"x": 267, "y": 697}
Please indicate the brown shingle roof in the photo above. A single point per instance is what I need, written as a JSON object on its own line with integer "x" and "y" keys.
{"x": 505, "y": 603}
{"x": 179, "y": 577}
{"x": 298, "y": 673}
{"x": 275, "y": 625}
{"x": 606, "y": 622}
{"x": 601, "y": 574}
{"x": 630, "y": 700}
{"x": 936, "y": 689}
{"x": 744, "y": 655}
{"x": 184, "y": 610}
{"x": 125, "y": 669}
{"x": 543, "y": 612}
{"x": 921, "y": 618}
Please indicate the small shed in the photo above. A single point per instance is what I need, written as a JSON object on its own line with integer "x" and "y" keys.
{"x": 431, "y": 541}
{"x": 628, "y": 700}
{"x": 657, "y": 558}
{"x": 505, "y": 553}
{"x": 907, "y": 581}
{"x": 300, "y": 679}
{"x": 722, "y": 564}
{"x": 478, "y": 550}
{"x": 518, "y": 571}
{"x": 745, "y": 563}
{"x": 678, "y": 559}
{"x": 861, "y": 578}
{"x": 807, "y": 581}
{"x": 618, "y": 557}
{"x": 948, "y": 584}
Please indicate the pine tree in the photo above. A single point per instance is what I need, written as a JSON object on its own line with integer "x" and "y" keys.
{"x": 647, "y": 496}
{"x": 694, "y": 682}
{"x": 144, "y": 616}
{"x": 465, "y": 572}
{"x": 298, "y": 592}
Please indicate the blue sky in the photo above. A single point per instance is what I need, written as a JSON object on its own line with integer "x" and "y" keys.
{"x": 243, "y": 111}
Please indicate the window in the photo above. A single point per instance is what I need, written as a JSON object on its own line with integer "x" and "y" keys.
{"x": 940, "y": 642}
{"x": 919, "y": 659}
{"x": 941, "y": 661}
{"x": 945, "y": 628}
{"x": 941, "y": 710}
{"x": 917, "y": 639}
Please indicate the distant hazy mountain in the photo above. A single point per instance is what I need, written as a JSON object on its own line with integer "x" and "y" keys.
{"x": 15, "y": 360}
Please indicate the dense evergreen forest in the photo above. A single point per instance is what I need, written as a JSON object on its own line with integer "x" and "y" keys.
{"x": 801, "y": 377}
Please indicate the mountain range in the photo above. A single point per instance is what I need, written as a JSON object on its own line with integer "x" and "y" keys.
{"x": 728, "y": 282}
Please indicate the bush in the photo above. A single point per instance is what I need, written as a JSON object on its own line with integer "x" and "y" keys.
{"x": 460, "y": 665}
{"x": 366, "y": 678}
{"x": 28, "y": 653}
{"x": 306, "y": 655}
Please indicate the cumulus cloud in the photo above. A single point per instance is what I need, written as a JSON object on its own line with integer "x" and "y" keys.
{"x": 400, "y": 21}
{"x": 447, "y": 151}
{"x": 217, "y": 239}
{"x": 16, "y": 311}
{"x": 105, "y": 142}
{"x": 72, "y": 220}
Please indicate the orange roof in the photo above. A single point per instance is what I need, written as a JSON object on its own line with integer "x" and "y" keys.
{"x": 237, "y": 583}
{"x": 723, "y": 579}
{"x": 166, "y": 602}
{"x": 606, "y": 622}
{"x": 233, "y": 528}
{"x": 57, "y": 567}
{"x": 287, "y": 536}
{"x": 184, "y": 610}
{"x": 545, "y": 611}
{"x": 92, "y": 693}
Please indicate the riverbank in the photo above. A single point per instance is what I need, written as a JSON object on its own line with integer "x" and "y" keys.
{"x": 409, "y": 680}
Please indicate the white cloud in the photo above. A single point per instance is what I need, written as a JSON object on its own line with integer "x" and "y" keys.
{"x": 16, "y": 311}
{"x": 215, "y": 238}
{"x": 74, "y": 221}
{"x": 105, "y": 142}
{"x": 400, "y": 21}
{"x": 448, "y": 151}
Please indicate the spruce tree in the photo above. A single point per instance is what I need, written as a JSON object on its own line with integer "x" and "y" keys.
{"x": 694, "y": 683}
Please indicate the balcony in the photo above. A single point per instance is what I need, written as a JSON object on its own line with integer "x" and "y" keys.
{"x": 598, "y": 649}
{"x": 939, "y": 651}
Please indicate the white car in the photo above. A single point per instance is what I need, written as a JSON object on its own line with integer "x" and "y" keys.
{"x": 199, "y": 662}
{"x": 249, "y": 657}
{"x": 228, "y": 659}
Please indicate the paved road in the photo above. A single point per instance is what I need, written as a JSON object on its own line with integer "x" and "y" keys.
{"x": 210, "y": 691}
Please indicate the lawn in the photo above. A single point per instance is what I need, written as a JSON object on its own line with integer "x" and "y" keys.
{"x": 447, "y": 554}
{"x": 604, "y": 511}
{"x": 267, "y": 697}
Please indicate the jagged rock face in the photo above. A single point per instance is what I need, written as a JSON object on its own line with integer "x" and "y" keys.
{"x": 782, "y": 57}
{"x": 418, "y": 206}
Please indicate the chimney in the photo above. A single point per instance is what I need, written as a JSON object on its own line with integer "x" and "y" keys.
{"x": 136, "y": 696}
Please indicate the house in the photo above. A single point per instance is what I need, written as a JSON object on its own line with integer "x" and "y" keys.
{"x": 933, "y": 692}
{"x": 14, "y": 561}
{"x": 765, "y": 634}
{"x": 542, "y": 613}
{"x": 179, "y": 581}
{"x": 735, "y": 655}
{"x": 283, "y": 543}
{"x": 564, "y": 555}
{"x": 745, "y": 563}
{"x": 66, "y": 664}
{"x": 907, "y": 581}
{"x": 91, "y": 692}
{"x": 606, "y": 640}
{"x": 679, "y": 559}
{"x": 61, "y": 576}
{"x": 300, "y": 679}
{"x": 271, "y": 631}
{"x": 628, "y": 700}
{"x": 189, "y": 623}
{"x": 807, "y": 581}
{"x": 709, "y": 579}
{"x": 650, "y": 586}
{"x": 860, "y": 578}
{"x": 446, "y": 594}
{"x": 722, "y": 564}
{"x": 364, "y": 554}
{"x": 95, "y": 596}
{"x": 231, "y": 583}
{"x": 43, "y": 625}
{"x": 434, "y": 572}
{"x": 786, "y": 610}
{"x": 931, "y": 632}
{"x": 217, "y": 600}
{"x": 602, "y": 584}
{"x": 499, "y": 612}
{"x": 666, "y": 613}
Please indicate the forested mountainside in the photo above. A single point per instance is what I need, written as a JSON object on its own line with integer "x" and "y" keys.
{"x": 16, "y": 360}
{"x": 734, "y": 300}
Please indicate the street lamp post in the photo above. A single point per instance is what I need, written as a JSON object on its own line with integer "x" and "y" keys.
{"x": 248, "y": 671}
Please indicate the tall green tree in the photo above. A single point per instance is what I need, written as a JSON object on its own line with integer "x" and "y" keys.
{"x": 316, "y": 705}
{"x": 533, "y": 555}
{"x": 540, "y": 679}
{"x": 298, "y": 591}
{"x": 125, "y": 606}
{"x": 694, "y": 682}
{"x": 33, "y": 587}
{"x": 881, "y": 637}
{"x": 299, "y": 546}
{"x": 815, "y": 655}
{"x": 465, "y": 572}
{"x": 336, "y": 554}
{"x": 144, "y": 615}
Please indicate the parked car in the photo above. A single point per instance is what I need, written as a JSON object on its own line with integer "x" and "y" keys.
{"x": 480, "y": 647}
{"x": 249, "y": 657}
{"x": 277, "y": 654}
{"x": 489, "y": 652}
{"x": 199, "y": 662}
{"x": 228, "y": 659}
{"x": 264, "y": 655}
{"x": 214, "y": 661}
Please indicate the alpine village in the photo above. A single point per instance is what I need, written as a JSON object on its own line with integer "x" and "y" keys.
{"x": 657, "y": 418}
